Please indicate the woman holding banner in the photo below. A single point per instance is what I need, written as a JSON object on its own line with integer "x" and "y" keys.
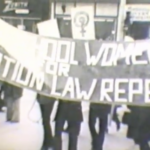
{"x": 11, "y": 95}
{"x": 138, "y": 120}
{"x": 46, "y": 104}
{"x": 71, "y": 113}
{"x": 98, "y": 112}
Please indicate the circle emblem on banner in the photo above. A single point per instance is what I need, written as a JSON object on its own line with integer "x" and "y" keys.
{"x": 81, "y": 19}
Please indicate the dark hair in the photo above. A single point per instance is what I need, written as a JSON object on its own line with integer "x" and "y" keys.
{"x": 63, "y": 7}
{"x": 128, "y": 13}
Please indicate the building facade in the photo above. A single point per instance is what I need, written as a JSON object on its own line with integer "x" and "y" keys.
{"x": 105, "y": 16}
{"x": 109, "y": 16}
{"x": 140, "y": 18}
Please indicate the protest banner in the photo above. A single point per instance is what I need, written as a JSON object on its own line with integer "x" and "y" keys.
{"x": 95, "y": 71}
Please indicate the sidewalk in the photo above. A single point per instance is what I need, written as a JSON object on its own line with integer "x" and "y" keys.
{"x": 113, "y": 141}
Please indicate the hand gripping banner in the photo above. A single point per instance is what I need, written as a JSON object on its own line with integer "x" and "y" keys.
{"x": 104, "y": 72}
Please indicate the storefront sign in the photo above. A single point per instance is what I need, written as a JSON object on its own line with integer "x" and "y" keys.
{"x": 21, "y": 9}
{"x": 139, "y": 12}
{"x": 18, "y": 7}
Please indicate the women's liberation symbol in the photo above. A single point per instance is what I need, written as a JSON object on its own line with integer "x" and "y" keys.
{"x": 81, "y": 20}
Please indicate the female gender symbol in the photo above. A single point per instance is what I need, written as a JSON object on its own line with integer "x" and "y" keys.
{"x": 81, "y": 19}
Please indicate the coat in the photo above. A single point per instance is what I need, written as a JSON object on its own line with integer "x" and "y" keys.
{"x": 70, "y": 111}
{"x": 11, "y": 91}
{"x": 100, "y": 109}
{"x": 43, "y": 100}
{"x": 138, "y": 122}
{"x": 11, "y": 98}
{"x": 47, "y": 105}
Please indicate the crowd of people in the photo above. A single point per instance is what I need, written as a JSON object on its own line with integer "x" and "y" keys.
{"x": 138, "y": 120}
{"x": 66, "y": 111}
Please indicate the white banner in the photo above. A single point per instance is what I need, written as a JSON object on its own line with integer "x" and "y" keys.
{"x": 71, "y": 69}
{"x": 82, "y": 19}
{"x": 49, "y": 28}
{"x": 21, "y": 45}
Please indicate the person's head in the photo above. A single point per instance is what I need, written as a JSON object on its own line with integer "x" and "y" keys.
{"x": 128, "y": 13}
{"x": 63, "y": 7}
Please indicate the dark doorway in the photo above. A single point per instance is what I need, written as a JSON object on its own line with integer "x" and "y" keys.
{"x": 64, "y": 26}
{"x": 140, "y": 30}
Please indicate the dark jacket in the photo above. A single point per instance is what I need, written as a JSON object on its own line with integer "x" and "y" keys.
{"x": 70, "y": 111}
{"x": 100, "y": 109}
{"x": 138, "y": 122}
{"x": 11, "y": 91}
{"x": 46, "y": 104}
{"x": 11, "y": 95}
{"x": 45, "y": 100}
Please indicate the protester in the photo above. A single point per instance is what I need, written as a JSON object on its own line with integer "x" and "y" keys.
{"x": 71, "y": 113}
{"x": 100, "y": 112}
{"x": 2, "y": 104}
{"x": 138, "y": 122}
{"x": 128, "y": 23}
{"x": 46, "y": 104}
{"x": 11, "y": 95}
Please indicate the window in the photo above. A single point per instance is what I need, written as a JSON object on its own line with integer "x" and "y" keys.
{"x": 13, "y": 22}
{"x": 105, "y": 29}
{"x": 65, "y": 28}
{"x": 106, "y": 9}
{"x": 59, "y": 10}
{"x": 29, "y": 24}
{"x": 84, "y": 4}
